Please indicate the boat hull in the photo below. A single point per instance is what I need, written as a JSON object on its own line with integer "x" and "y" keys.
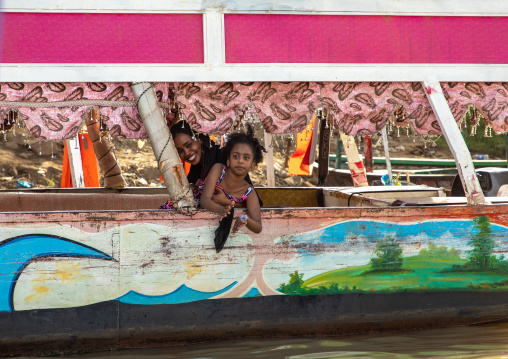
{"x": 88, "y": 280}
{"x": 112, "y": 325}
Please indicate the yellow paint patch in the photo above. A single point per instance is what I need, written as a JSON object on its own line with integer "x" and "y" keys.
{"x": 65, "y": 272}
{"x": 192, "y": 270}
{"x": 68, "y": 272}
{"x": 40, "y": 292}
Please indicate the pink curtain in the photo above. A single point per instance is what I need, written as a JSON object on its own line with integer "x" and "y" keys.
{"x": 361, "y": 108}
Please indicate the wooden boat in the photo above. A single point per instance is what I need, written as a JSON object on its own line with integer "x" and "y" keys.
{"x": 90, "y": 269}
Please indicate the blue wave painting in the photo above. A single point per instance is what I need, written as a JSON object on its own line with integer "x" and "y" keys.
{"x": 182, "y": 294}
{"x": 253, "y": 292}
{"x": 18, "y": 252}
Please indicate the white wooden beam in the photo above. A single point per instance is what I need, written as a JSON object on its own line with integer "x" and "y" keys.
{"x": 250, "y": 72}
{"x": 354, "y": 162}
{"x": 75, "y": 164}
{"x": 213, "y": 37}
{"x": 384, "y": 135}
{"x": 270, "y": 171}
{"x": 455, "y": 141}
{"x": 346, "y": 7}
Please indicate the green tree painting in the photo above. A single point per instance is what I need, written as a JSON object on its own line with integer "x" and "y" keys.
{"x": 480, "y": 256}
{"x": 387, "y": 255}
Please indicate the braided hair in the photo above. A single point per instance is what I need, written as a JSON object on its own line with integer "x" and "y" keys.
{"x": 208, "y": 148}
{"x": 247, "y": 138}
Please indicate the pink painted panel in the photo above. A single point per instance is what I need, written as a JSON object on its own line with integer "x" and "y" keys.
{"x": 102, "y": 38}
{"x": 365, "y": 39}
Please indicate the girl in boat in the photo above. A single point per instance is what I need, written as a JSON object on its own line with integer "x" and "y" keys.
{"x": 202, "y": 153}
{"x": 242, "y": 152}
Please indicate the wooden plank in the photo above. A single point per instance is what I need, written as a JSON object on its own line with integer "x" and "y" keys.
{"x": 455, "y": 141}
{"x": 365, "y": 7}
{"x": 354, "y": 161}
{"x": 338, "y": 151}
{"x": 73, "y": 150}
{"x": 367, "y": 150}
{"x": 12, "y": 72}
{"x": 270, "y": 171}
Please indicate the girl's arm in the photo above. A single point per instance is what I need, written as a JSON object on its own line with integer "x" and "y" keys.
{"x": 254, "y": 217}
{"x": 208, "y": 189}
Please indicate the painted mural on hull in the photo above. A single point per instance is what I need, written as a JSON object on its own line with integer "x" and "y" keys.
{"x": 63, "y": 266}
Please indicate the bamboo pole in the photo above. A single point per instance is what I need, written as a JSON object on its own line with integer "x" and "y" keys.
{"x": 104, "y": 152}
{"x": 163, "y": 146}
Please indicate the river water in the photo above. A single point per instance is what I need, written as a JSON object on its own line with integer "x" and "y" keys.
{"x": 477, "y": 341}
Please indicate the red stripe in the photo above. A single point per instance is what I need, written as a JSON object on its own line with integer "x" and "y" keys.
{"x": 365, "y": 39}
{"x": 102, "y": 38}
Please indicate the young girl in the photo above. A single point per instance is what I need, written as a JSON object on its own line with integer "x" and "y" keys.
{"x": 242, "y": 152}
{"x": 202, "y": 153}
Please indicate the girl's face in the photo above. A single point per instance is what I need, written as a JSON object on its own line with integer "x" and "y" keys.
{"x": 188, "y": 149}
{"x": 241, "y": 159}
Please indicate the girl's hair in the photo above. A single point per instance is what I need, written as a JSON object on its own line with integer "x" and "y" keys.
{"x": 208, "y": 148}
{"x": 247, "y": 138}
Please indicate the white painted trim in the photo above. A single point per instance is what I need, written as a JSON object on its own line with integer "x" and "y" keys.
{"x": 458, "y": 147}
{"x": 251, "y": 72}
{"x": 75, "y": 164}
{"x": 213, "y": 37}
{"x": 321, "y": 7}
{"x": 386, "y": 148}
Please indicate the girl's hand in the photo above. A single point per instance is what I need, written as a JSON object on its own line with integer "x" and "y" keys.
{"x": 227, "y": 208}
{"x": 194, "y": 188}
{"x": 220, "y": 197}
{"x": 240, "y": 221}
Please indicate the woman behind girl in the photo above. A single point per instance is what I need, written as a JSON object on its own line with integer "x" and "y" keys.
{"x": 202, "y": 153}
{"x": 242, "y": 153}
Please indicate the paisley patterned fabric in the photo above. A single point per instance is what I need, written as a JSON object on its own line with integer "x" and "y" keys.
{"x": 357, "y": 108}
{"x": 489, "y": 98}
{"x": 55, "y": 123}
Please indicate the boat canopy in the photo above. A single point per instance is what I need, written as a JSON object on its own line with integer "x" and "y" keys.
{"x": 56, "y": 111}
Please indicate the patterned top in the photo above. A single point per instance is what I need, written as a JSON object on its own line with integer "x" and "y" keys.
{"x": 231, "y": 197}
{"x": 201, "y": 185}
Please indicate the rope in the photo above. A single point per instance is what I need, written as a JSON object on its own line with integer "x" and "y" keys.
{"x": 351, "y": 195}
{"x": 160, "y": 155}
{"x": 76, "y": 103}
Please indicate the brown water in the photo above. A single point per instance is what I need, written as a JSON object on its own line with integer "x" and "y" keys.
{"x": 478, "y": 341}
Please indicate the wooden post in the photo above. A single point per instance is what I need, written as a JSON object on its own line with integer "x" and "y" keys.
{"x": 338, "y": 153}
{"x": 288, "y": 148}
{"x": 354, "y": 161}
{"x": 104, "y": 152}
{"x": 75, "y": 165}
{"x": 384, "y": 135}
{"x": 270, "y": 171}
{"x": 455, "y": 141}
{"x": 367, "y": 149}
{"x": 163, "y": 146}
